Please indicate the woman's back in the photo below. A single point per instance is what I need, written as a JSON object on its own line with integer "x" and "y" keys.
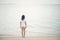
{"x": 23, "y": 23}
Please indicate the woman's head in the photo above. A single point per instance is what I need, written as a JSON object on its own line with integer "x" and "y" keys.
{"x": 23, "y": 17}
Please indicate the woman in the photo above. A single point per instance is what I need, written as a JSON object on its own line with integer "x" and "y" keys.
{"x": 23, "y": 25}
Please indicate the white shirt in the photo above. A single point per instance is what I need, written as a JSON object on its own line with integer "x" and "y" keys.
{"x": 23, "y": 23}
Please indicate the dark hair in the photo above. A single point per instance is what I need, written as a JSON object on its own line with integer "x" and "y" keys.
{"x": 23, "y": 17}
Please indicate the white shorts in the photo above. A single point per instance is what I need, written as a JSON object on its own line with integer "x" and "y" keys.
{"x": 23, "y": 25}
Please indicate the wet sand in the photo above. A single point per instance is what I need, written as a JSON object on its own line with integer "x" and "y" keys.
{"x": 13, "y": 37}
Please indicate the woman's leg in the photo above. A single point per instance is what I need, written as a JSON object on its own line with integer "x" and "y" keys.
{"x": 22, "y": 32}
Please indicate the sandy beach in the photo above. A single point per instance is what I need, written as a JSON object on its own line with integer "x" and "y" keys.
{"x": 13, "y": 37}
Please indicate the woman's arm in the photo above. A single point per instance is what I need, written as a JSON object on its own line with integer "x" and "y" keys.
{"x": 25, "y": 23}
{"x": 20, "y": 24}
